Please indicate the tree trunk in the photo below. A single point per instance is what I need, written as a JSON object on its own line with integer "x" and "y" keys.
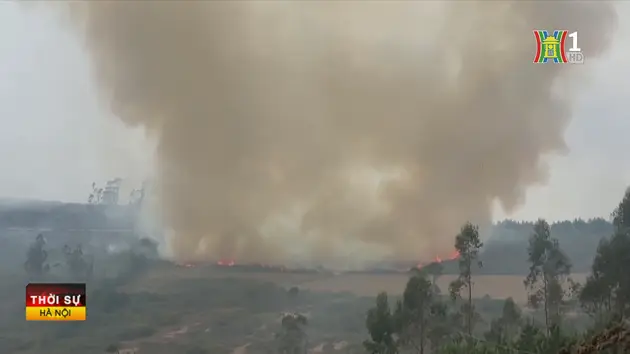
{"x": 470, "y": 308}
{"x": 422, "y": 340}
{"x": 546, "y": 304}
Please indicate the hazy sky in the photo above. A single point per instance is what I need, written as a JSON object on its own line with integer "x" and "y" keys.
{"x": 56, "y": 138}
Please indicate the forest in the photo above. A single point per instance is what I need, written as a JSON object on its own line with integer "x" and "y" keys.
{"x": 505, "y": 251}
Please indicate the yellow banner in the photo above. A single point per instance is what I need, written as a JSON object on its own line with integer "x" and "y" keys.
{"x": 55, "y": 313}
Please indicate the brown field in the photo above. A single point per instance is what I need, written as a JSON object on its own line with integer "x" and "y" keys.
{"x": 496, "y": 286}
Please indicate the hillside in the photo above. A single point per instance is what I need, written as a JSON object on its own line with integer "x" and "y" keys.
{"x": 505, "y": 251}
{"x": 63, "y": 216}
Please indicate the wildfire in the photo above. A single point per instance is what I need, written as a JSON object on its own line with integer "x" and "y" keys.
{"x": 226, "y": 262}
{"x": 453, "y": 256}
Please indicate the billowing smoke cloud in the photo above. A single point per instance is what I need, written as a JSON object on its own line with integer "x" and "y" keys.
{"x": 390, "y": 123}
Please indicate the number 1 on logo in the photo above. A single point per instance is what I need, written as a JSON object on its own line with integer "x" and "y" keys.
{"x": 574, "y": 42}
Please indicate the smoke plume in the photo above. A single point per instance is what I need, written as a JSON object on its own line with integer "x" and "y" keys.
{"x": 337, "y": 125}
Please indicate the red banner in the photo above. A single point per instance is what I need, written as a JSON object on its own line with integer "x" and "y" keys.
{"x": 56, "y": 302}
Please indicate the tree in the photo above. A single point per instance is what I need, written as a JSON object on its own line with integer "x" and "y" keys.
{"x": 293, "y": 292}
{"x": 607, "y": 289}
{"x": 292, "y": 339}
{"x": 549, "y": 268}
{"x": 614, "y": 281}
{"x": 96, "y": 196}
{"x": 511, "y": 318}
{"x": 413, "y": 313}
{"x": 434, "y": 270}
{"x": 440, "y": 326}
{"x": 534, "y": 340}
{"x": 79, "y": 267}
{"x": 147, "y": 247}
{"x": 468, "y": 244}
{"x": 621, "y": 214}
{"x": 595, "y": 298}
{"x": 614, "y": 267}
{"x": 380, "y": 325}
{"x": 36, "y": 257}
{"x": 505, "y": 328}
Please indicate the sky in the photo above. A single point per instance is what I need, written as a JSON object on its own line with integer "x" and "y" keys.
{"x": 56, "y": 137}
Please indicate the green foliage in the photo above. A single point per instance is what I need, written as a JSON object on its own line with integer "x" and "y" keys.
{"x": 511, "y": 318}
{"x": 96, "y": 196}
{"x": 135, "y": 262}
{"x": 413, "y": 314}
{"x": 504, "y": 329}
{"x": 467, "y": 244}
{"x": 35, "y": 265}
{"x": 531, "y": 340}
{"x": 605, "y": 296}
{"x": 433, "y": 270}
{"x": 621, "y": 214}
{"x": 440, "y": 326}
{"x": 381, "y": 327}
{"x": 506, "y": 250}
{"x": 606, "y": 293}
{"x": 548, "y": 272}
{"x": 147, "y": 248}
{"x": 293, "y": 292}
{"x": 292, "y": 339}
{"x": 420, "y": 317}
{"x": 80, "y": 269}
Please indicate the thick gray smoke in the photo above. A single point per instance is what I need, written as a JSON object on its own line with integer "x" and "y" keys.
{"x": 285, "y": 124}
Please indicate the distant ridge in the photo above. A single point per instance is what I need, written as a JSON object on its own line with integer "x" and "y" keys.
{"x": 13, "y": 202}
{"x": 36, "y": 215}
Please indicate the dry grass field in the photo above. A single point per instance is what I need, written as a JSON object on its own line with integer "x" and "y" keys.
{"x": 495, "y": 286}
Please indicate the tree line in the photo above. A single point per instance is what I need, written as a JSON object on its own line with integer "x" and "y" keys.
{"x": 505, "y": 252}
{"x": 424, "y": 321}
{"x": 78, "y": 265}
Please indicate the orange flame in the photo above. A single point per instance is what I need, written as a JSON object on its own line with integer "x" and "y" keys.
{"x": 226, "y": 262}
{"x": 453, "y": 256}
